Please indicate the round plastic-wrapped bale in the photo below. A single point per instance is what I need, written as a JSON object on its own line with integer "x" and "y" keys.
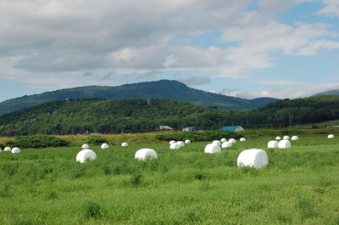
{"x": 86, "y": 155}
{"x": 104, "y": 146}
{"x": 286, "y": 137}
{"x": 242, "y": 139}
{"x": 284, "y": 144}
{"x": 294, "y": 138}
{"x": 124, "y": 144}
{"x": 330, "y": 136}
{"x": 175, "y": 146}
{"x": 145, "y": 154}
{"x": 223, "y": 140}
{"x": 255, "y": 158}
{"x": 16, "y": 150}
{"x": 7, "y": 149}
{"x": 171, "y": 142}
{"x": 187, "y": 141}
{"x": 272, "y": 144}
{"x": 232, "y": 140}
{"x": 278, "y": 138}
{"x": 217, "y": 142}
{"x": 226, "y": 144}
{"x": 212, "y": 148}
{"x": 181, "y": 144}
{"x": 85, "y": 146}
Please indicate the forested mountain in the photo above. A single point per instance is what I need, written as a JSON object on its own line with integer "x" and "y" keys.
{"x": 163, "y": 89}
{"x": 138, "y": 115}
{"x": 330, "y": 92}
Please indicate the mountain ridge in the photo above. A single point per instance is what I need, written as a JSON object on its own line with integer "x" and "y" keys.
{"x": 164, "y": 89}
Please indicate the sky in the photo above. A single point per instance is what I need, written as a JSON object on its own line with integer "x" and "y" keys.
{"x": 243, "y": 48}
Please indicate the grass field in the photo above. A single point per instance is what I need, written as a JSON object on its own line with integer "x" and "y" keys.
{"x": 47, "y": 186}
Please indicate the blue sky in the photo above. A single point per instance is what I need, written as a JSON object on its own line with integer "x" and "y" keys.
{"x": 280, "y": 48}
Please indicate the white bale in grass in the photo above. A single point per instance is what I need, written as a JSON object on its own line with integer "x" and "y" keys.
{"x": 226, "y": 144}
{"x": 212, "y": 148}
{"x": 187, "y": 141}
{"x": 278, "y": 138}
{"x": 330, "y": 136}
{"x": 242, "y": 139}
{"x": 7, "y": 149}
{"x": 145, "y": 154}
{"x": 272, "y": 144}
{"x": 85, "y": 146}
{"x": 223, "y": 140}
{"x": 255, "y": 158}
{"x": 286, "y": 137}
{"x": 294, "y": 138}
{"x": 16, "y": 150}
{"x": 175, "y": 146}
{"x": 181, "y": 143}
{"x": 284, "y": 144}
{"x": 86, "y": 155}
{"x": 217, "y": 142}
{"x": 124, "y": 144}
{"x": 232, "y": 140}
{"x": 171, "y": 141}
{"x": 104, "y": 146}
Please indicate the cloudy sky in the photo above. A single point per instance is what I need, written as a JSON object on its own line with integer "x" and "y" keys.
{"x": 244, "y": 48}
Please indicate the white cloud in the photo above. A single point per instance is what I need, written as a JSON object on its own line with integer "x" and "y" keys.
{"x": 331, "y": 8}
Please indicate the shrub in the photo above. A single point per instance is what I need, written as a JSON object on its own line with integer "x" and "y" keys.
{"x": 38, "y": 141}
{"x": 199, "y": 135}
{"x": 96, "y": 140}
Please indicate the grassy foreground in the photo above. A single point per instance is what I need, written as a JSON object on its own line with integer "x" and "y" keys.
{"x": 47, "y": 186}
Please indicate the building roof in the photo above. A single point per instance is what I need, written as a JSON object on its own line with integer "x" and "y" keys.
{"x": 232, "y": 128}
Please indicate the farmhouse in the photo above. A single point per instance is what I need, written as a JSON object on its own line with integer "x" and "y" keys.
{"x": 188, "y": 129}
{"x": 232, "y": 128}
{"x": 164, "y": 127}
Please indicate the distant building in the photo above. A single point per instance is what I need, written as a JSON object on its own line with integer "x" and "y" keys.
{"x": 232, "y": 128}
{"x": 188, "y": 129}
{"x": 162, "y": 127}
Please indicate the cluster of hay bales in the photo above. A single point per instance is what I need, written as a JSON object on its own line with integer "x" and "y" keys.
{"x": 175, "y": 145}
{"x": 145, "y": 154}
{"x": 255, "y": 158}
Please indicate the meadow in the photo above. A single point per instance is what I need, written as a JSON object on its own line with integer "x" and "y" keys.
{"x": 46, "y": 186}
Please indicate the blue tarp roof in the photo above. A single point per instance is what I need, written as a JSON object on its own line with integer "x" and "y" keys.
{"x": 232, "y": 128}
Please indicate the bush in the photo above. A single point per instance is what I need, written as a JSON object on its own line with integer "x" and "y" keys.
{"x": 38, "y": 141}
{"x": 96, "y": 140}
{"x": 198, "y": 135}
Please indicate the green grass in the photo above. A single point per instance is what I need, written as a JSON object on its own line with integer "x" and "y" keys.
{"x": 46, "y": 186}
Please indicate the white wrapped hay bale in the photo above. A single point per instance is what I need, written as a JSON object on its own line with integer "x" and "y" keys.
{"x": 272, "y": 144}
{"x": 145, "y": 154}
{"x": 124, "y": 144}
{"x": 284, "y": 144}
{"x": 223, "y": 140}
{"x": 212, "y": 148}
{"x": 7, "y": 149}
{"x": 86, "y": 155}
{"x": 242, "y": 139}
{"x": 232, "y": 140}
{"x": 294, "y": 138}
{"x": 85, "y": 146}
{"x": 171, "y": 142}
{"x": 16, "y": 150}
{"x": 286, "y": 137}
{"x": 175, "y": 146}
{"x": 330, "y": 136}
{"x": 226, "y": 144}
{"x": 104, "y": 146}
{"x": 181, "y": 143}
{"x": 187, "y": 141}
{"x": 278, "y": 138}
{"x": 217, "y": 142}
{"x": 255, "y": 158}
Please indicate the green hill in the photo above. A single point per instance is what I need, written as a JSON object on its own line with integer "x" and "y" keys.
{"x": 163, "y": 89}
{"x": 139, "y": 115}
